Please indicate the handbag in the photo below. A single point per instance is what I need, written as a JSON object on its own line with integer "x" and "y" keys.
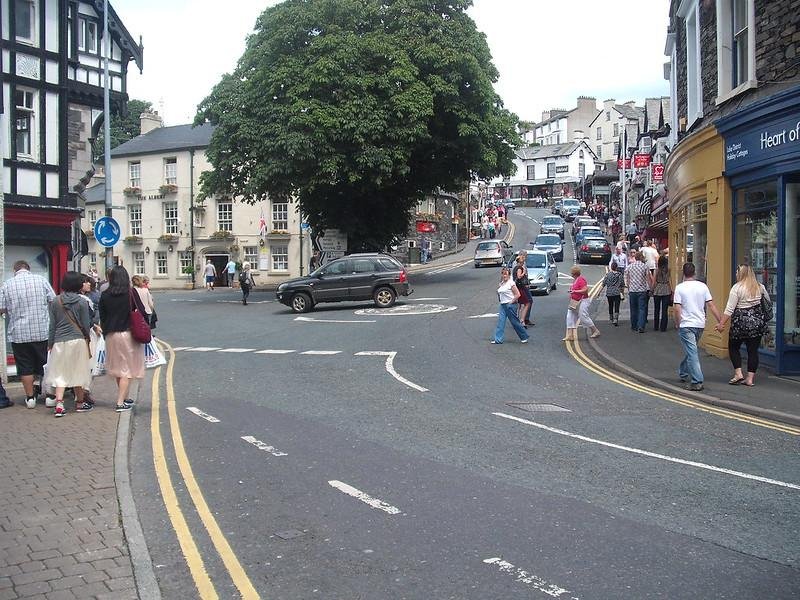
{"x": 140, "y": 330}
{"x": 574, "y": 304}
{"x": 766, "y": 308}
{"x": 747, "y": 323}
{"x": 77, "y": 326}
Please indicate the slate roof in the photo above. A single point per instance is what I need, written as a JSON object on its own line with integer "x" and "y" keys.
{"x": 630, "y": 112}
{"x": 95, "y": 194}
{"x": 165, "y": 139}
{"x": 549, "y": 151}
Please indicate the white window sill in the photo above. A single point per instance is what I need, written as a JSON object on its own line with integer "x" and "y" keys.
{"x": 750, "y": 84}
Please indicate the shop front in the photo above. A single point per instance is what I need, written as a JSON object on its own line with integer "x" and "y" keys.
{"x": 762, "y": 165}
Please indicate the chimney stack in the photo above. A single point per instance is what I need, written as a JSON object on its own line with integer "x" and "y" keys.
{"x": 578, "y": 135}
{"x": 545, "y": 115}
{"x": 148, "y": 121}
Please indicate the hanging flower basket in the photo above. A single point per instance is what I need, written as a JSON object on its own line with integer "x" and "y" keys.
{"x": 133, "y": 239}
{"x": 132, "y": 191}
{"x": 222, "y": 235}
{"x": 168, "y": 238}
{"x": 168, "y": 188}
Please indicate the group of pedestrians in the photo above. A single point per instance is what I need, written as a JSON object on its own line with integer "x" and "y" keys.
{"x": 246, "y": 281}
{"x": 52, "y": 335}
{"x": 492, "y": 221}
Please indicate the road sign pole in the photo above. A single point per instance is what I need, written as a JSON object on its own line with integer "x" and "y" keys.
{"x": 107, "y": 129}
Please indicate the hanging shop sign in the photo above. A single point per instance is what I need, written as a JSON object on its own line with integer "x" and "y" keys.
{"x": 426, "y": 227}
{"x": 624, "y": 164}
{"x": 640, "y": 161}
{"x": 658, "y": 172}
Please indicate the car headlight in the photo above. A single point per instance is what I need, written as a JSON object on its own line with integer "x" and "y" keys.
{"x": 282, "y": 287}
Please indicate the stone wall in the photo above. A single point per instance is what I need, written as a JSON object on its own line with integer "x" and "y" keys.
{"x": 79, "y": 150}
{"x": 777, "y": 40}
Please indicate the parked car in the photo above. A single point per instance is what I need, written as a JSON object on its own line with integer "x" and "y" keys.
{"x": 509, "y": 204}
{"x": 594, "y": 249}
{"x": 550, "y": 242}
{"x": 542, "y": 271}
{"x": 492, "y": 252}
{"x": 369, "y": 276}
{"x": 588, "y": 231}
{"x": 552, "y": 224}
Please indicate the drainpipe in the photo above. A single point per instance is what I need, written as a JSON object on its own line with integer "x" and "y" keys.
{"x": 191, "y": 211}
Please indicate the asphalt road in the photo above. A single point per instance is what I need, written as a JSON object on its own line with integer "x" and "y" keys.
{"x": 356, "y": 484}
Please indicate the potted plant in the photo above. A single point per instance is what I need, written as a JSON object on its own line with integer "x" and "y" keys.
{"x": 189, "y": 272}
{"x": 168, "y": 238}
{"x": 133, "y": 239}
{"x": 168, "y": 188}
{"x": 132, "y": 191}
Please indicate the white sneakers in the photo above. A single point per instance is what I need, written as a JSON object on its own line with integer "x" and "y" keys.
{"x": 50, "y": 401}
{"x": 30, "y": 402}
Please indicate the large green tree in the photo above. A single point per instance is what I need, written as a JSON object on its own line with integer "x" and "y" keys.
{"x": 358, "y": 108}
{"x": 123, "y": 127}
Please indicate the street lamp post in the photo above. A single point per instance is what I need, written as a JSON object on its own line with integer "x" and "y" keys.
{"x": 107, "y": 128}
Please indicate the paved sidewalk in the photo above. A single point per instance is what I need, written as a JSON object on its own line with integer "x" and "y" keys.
{"x": 60, "y": 531}
{"x": 653, "y": 357}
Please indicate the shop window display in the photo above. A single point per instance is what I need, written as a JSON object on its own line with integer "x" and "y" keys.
{"x": 757, "y": 240}
{"x": 791, "y": 297}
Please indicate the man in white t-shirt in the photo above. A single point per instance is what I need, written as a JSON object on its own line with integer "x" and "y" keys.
{"x": 650, "y": 255}
{"x": 690, "y": 299}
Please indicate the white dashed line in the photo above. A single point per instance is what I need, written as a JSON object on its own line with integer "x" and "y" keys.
{"x": 365, "y": 498}
{"x": 275, "y": 351}
{"x": 680, "y": 461}
{"x": 237, "y": 350}
{"x": 310, "y": 320}
{"x": 202, "y": 415}
{"x": 390, "y": 368}
{"x": 203, "y": 349}
{"x": 483, "y": 316}
{"x": 529, "y": 579}
{"x": 179, "y": 348}
{"x": 262, "y": 446}
{"x": 322, "y": 352}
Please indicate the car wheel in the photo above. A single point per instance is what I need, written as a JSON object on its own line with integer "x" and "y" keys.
{"x": 547, "y": 290}
{"x": 302, "y": 303}
{"x": 384, "y": 297}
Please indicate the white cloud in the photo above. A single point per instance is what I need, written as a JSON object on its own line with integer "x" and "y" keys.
{"x": 547, "y": 52}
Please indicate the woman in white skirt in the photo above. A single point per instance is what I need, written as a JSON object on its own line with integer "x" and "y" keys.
{"x": 67, "y": 342}
{"x": 124, "y": 355}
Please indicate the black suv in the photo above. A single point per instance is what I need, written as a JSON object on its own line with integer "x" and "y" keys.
{"x": 373, "y": 276}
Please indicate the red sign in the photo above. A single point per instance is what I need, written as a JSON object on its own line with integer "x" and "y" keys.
{"x": 658, "y": 172}
{"x": 426, "y": 227}
{"x": 641, "y": 160}
{"x": 627, "y": 163}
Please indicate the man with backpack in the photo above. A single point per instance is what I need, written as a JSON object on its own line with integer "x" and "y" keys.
{"x": 246, "y": 281}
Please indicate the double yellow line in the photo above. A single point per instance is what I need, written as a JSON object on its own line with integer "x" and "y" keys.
{"x": 194, "y": 559}
{"x": 577, "y": 353}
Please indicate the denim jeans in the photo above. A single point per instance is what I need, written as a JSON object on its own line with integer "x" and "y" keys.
{"x": 638, "y": 305}
{"x": 660, "y": 308}
{"x": 508, "y": 312}
{"x": 690, "y": 365}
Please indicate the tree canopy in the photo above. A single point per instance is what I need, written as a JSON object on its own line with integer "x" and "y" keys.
{"x": 358, "y": 109}
{"x": 123, "y": 128}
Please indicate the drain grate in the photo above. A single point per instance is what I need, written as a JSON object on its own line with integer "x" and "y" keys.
{"x": 289, "y": 534}
{"x": 532, "y": 407}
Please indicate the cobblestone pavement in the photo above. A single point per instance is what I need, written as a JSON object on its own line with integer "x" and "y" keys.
{"x": 60, "y": 531}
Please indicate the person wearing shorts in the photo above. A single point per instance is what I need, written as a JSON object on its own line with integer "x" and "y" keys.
{"x": 26, "y": 298}
{"x": 210, "y": 272}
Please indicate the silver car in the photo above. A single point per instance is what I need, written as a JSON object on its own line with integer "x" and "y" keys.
{"x": 550, "y": 242}
{"x": 492, "y": 252}
{"x": 542, "y": 271}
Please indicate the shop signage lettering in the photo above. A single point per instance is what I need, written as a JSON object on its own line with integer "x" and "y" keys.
{"x": 562, "y": 169}
{"x": 626, "y": 164}
{"x": 641, "y": 160}
{"x": 658, "y": 172}
{"x": 762, "y": 144}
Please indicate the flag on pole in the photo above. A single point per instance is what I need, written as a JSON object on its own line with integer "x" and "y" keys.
{"x": 262, "y": 224}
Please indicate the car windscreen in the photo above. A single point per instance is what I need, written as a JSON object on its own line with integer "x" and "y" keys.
{"x": 535, "y": 261}
{"x": 551, "y": 221}
{"x": 586, "y": 231}
{"x": 548, "y": 240}
{"x": 487, "y": 246}
{"x": 567, "y": 203}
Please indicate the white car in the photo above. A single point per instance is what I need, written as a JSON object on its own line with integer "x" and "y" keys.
{"x": 492, "y": 252}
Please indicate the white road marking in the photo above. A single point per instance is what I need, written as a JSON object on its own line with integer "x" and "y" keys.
{"x": 406, "y": 309}
{"x": 237, "y": 350}
{"x": 275, "y": 351}
{"x": 423, "y": 299}
{"x": 322, "y": 352}
{"x": 483, "y": 316}
{"x": 179, "y": 348}
{"x": 262, "y": 446}
{"x": 446, "y": 268}
{"x": 365, "y": 498}
{"x": 203, "y": 349}
{"x": 680, "y": 461}
{"x": 310, "y": 320}
{"x": 202, "y": 415}
{"x": 533, "y": 581}
{"x": 564, "y": 276}
{"x": 184, "y": 300}
{"x": 390, "y": 368}
{"x": 239, "y": 301}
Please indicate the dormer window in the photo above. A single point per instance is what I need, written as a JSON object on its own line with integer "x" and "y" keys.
{"x": 25, "y": 20}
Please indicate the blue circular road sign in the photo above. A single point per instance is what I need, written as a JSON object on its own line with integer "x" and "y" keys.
{"x": 106, "y": 231}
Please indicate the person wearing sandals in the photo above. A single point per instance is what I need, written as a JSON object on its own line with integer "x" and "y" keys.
{"x": 124, "y": 355}
{"x": 613, "y": 283}
{"x": 579, "y": 292}
{"x": 68, "y": 343}
{"x": 747, "y": 323}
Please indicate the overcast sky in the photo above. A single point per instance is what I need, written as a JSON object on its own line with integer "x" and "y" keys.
{"x": 547, "y": 52}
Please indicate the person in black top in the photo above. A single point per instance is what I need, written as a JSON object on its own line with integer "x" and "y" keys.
{"x": 124, "y": 355}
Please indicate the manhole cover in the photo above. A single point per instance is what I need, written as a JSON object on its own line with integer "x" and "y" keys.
{"x": 289, "y": 534}
{"x": 531, "y": 407}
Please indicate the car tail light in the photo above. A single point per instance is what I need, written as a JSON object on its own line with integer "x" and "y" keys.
{"x": 607, "y": 248}
{"x": 584, "y": 248}
{"x": 403, "y": 277}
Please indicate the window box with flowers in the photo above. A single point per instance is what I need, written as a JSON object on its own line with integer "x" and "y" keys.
{"x": 168, "y": 238}
{"x": 432, "y": 217}
{"x": 279, "y": 232}
{"x": 132, "y": 191}
{"x": 133, "y": 239}
{"x": 221, "y": 235}
{"x": 168, "y": 188}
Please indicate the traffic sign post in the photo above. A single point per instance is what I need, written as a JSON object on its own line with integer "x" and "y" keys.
{"x": 106, "y": 231}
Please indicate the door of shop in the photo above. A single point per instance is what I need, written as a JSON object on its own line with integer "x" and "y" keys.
{"x": 219, "y": 261}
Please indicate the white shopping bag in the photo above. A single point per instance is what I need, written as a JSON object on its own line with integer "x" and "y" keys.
{"x": 99, "y": 355}
{"x": 152, "y": 355}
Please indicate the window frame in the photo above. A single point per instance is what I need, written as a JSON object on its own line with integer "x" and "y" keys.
{"x": 135, "y": 166}
{"x": 33, "y": 18}
{"x": 280, "y": 216}
{"x": 158, "y": 256}
{"x": 689, "y": 11}
{"x": 227, "y": 223}
{"x": 530, "y": 172}
{"x": 728, "y": 84}
{"x": 28, "y": 113}
{"x": 138, "y": 258}
{"x": 184, "y": 260}
{"x": 135, "y": 225}
{"x": 551, "y": 170}
{"x": 171, "y": 179}
{"x": 599, "y": 133}
{"x": 273, "y": 250}
{"x": 250, "y": 254}
{"x": 84, "y": 22}
{"x": 169, "y": 211}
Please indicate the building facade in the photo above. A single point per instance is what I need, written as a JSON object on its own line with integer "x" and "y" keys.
{"x": 733, "y": 173}
{"x": 559, "y": 126}
{"x": 604, "y": 130}
{"x": 52, "y": 101}
{"x": 169, "y": 232}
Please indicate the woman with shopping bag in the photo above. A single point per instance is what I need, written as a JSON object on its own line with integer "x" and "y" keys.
{"x": 124, "y": 356}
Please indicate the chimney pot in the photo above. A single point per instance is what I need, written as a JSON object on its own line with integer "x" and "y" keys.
{"x": 148, "y": 121}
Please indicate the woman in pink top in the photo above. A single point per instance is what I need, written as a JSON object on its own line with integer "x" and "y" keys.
{"x": 579, "y": 292}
